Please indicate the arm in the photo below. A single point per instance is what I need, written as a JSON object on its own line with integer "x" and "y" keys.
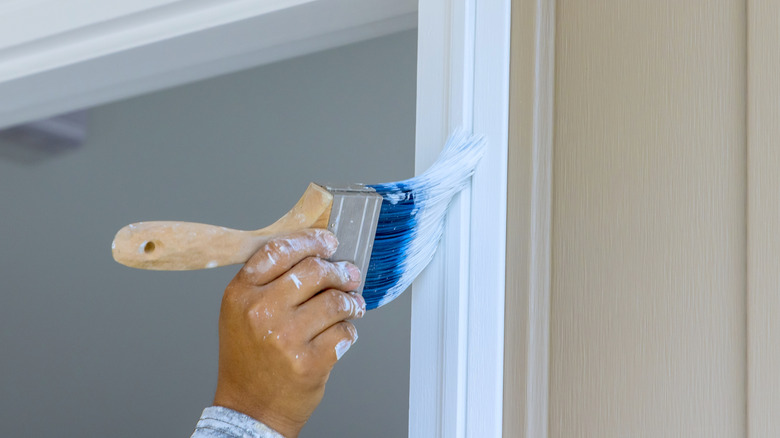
{"x": 282, "y": 327}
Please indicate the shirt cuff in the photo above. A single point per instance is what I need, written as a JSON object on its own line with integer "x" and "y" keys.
{"x": 219, "y": 422}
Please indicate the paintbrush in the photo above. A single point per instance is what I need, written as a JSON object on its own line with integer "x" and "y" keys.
{"x": 390, "y": 231}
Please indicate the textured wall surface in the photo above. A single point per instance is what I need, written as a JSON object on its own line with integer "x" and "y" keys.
{"x": 648, "y": 323}
{"x": 91, "y": 348}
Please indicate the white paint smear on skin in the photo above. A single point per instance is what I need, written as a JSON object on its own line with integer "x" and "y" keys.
{"x": 344, "y": 270}
{"x": 342, "y": 348}
{"x": 349, "y": 304}
{"x": 331, "y": 242}
{"x": 270, "y": 257}
{"x": 295, "y": 280}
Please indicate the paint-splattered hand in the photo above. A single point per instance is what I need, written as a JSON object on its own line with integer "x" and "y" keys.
{"x": 282, "y": 327}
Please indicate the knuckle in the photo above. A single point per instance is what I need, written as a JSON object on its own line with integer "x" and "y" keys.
{"x": 273, "y": 248}
{"x": 348, "y": 329}
{"x": 231, "y": 290}
{"x": 316, "y": 266}
{"x": 259, "y": 311}
{"x": 336, "y": 301}
{"x": 233, "y": 298}
{"x": 299, "y": 365}
{"x": 280, "y": 342}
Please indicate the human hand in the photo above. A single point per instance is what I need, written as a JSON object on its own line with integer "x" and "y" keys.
{"x": 282, "y": 327}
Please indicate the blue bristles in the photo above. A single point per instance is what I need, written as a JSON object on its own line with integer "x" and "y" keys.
{"x": 411, "y": 220}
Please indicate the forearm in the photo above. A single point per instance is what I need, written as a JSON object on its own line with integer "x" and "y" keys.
{"x": 219, "y": 422}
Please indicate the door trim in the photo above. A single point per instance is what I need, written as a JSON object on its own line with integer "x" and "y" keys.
{"x": 457, "y": 346}
{"x": 763, "y": 219}
{"x": 531, "y": 108}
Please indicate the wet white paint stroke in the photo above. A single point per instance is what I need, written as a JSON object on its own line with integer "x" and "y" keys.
{"x": 211, "y": 264}
{"x": 342, "y": 348}
{"x": 295, "y": 280}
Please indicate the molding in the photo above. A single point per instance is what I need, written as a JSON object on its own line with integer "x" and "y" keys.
{"x": 456, "y": 386}
{"x": 527, "y": 342}
{"x": 97, "y": 52}
{"x": 763, "y": 219}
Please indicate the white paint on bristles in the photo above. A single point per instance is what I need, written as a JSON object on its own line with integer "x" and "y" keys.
{"x": 433, "y": 191}
{"x": 212, "y": 264}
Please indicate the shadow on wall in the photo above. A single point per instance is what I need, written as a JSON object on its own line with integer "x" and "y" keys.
{"x": 38, "y": 141}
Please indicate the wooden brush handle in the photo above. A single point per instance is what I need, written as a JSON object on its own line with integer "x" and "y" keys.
{"x": 177, "y": 246}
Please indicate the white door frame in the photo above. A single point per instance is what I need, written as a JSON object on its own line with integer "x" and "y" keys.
{"x": 456, "y": 386}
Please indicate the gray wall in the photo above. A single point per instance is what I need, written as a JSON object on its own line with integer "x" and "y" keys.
{"x": 91, "y": 348}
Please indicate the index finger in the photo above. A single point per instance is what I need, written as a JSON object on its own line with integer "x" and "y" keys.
{"x": 281, "y": 253}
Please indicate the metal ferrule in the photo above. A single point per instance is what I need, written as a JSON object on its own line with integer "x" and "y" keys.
{"x": 353, "y": 219}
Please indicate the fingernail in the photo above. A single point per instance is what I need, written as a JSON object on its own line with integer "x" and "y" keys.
{"x": 353, "y": 272}
{"x": 349, "y": 271}
{"x": 342, "y": 347}
{"x": 361, "y": 304}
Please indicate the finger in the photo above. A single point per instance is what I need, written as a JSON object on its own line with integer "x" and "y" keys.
{"x": 334, "y": 342}
{"x": 280, "y": 254}
{"x": 313, "y": 275}
{"x": 326, "y": 309}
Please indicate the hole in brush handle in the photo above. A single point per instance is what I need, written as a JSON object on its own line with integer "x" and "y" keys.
{"x": 149, "y": 247}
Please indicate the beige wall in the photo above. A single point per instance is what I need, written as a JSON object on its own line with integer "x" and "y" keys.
{"x": 648, "y": 277}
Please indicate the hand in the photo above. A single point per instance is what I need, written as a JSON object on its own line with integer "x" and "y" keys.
{"x": 282, "y": 327}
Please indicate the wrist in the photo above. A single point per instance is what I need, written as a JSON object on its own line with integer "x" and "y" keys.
{"x": 280, "y": 423}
